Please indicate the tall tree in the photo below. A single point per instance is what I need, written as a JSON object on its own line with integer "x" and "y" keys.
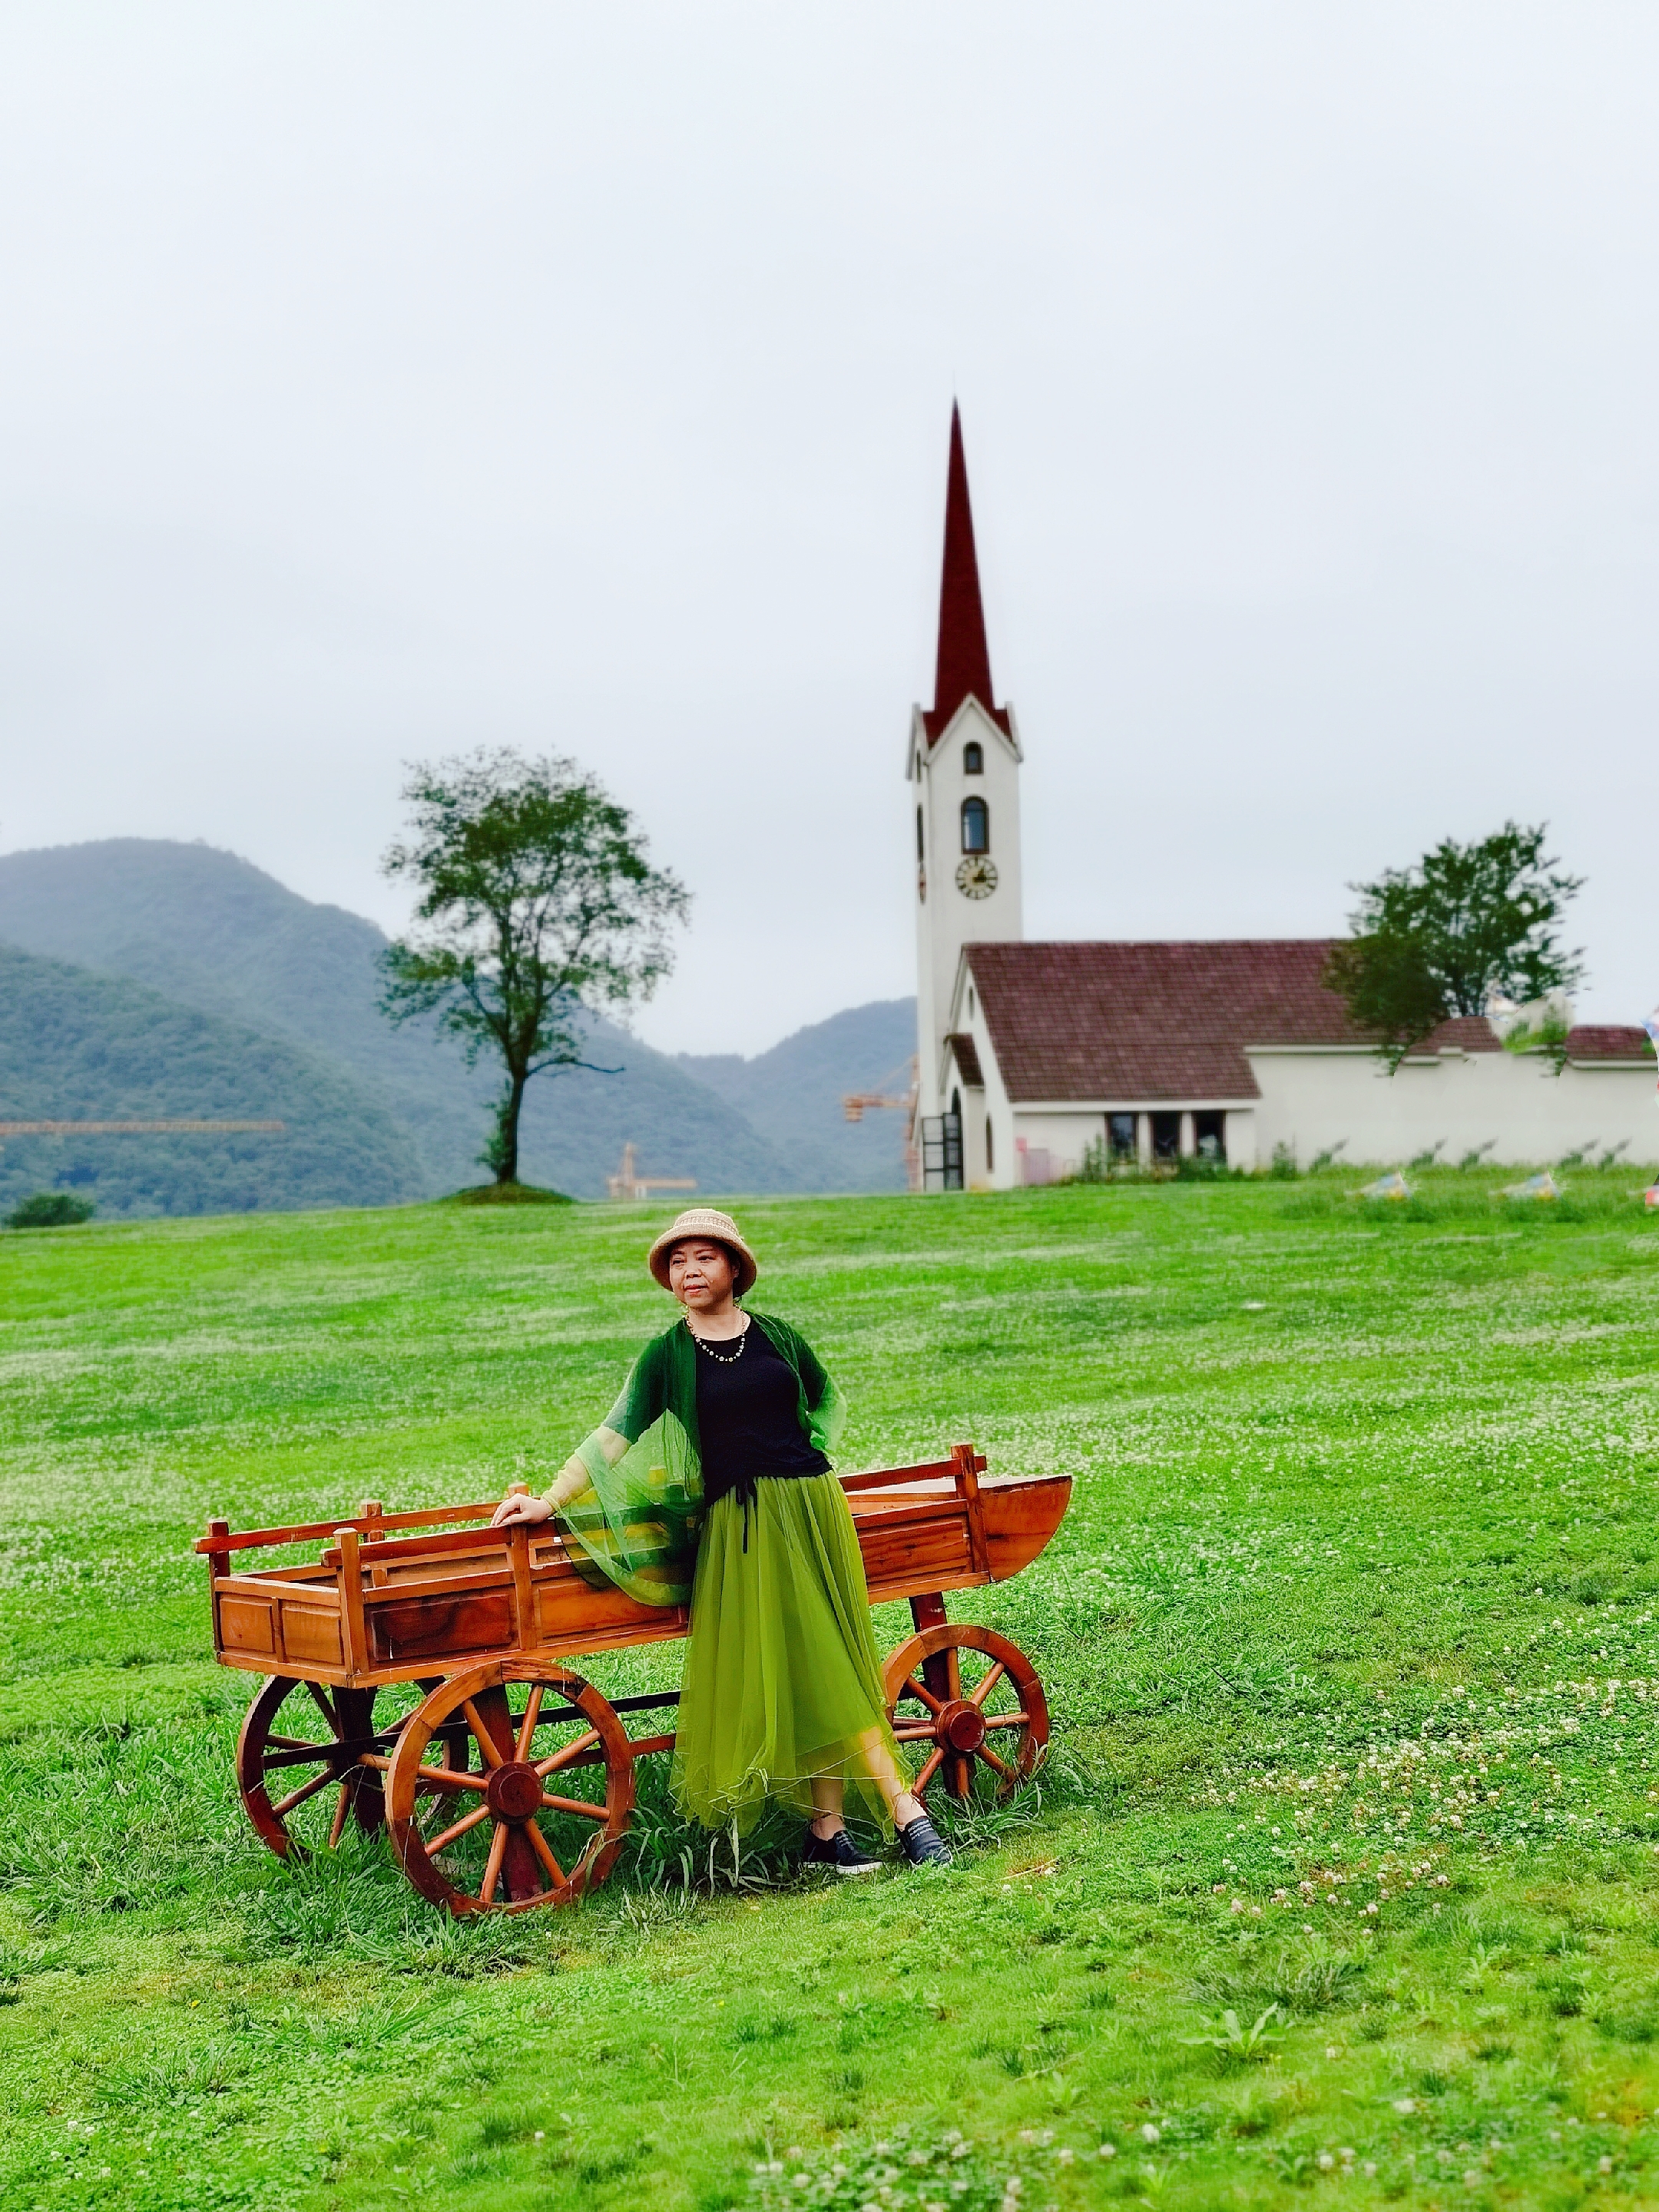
{"x": 1467, "y": 925}
{"x": 536, "y": 900}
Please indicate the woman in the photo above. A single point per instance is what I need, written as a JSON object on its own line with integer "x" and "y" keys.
{"x": 711, "y": 1480}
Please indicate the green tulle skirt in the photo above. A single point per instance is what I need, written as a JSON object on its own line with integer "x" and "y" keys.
{"x": 782, "y": 1682}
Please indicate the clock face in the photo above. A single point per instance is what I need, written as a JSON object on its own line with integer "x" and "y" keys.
{"x": 976, "y": 876}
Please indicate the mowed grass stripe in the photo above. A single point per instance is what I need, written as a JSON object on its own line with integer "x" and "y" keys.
{"x": 1355, "y": 1610}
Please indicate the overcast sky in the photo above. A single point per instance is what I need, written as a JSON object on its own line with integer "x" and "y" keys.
{"x": 377, "y": 380}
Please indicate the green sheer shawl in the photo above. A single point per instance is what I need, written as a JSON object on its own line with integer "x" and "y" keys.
{"x": 637, "y": 1522}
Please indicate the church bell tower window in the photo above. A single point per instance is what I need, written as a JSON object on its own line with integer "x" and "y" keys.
{"x": 975, "y": 826}
{"x": 973, "y": 758}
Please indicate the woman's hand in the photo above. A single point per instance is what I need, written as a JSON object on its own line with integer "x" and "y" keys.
{"x": 522, "y": 1508}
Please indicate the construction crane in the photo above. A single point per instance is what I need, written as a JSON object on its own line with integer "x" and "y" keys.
{"x": 857, "y": 1104}
{"x": 175, "y": 1128}
{"x": 628, "y": 1183}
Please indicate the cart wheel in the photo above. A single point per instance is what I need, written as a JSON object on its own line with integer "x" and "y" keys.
{"x": 967, "y": 1694}
{"x": 305, "y": 1746}
{"x": 540, "y": 1819}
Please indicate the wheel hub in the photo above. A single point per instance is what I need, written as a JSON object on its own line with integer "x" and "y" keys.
{"x": 961, "y": 1726}
{"x": 514, "y": 1791}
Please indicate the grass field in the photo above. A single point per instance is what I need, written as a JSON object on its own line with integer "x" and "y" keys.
{"x": 1350, "y": 1637}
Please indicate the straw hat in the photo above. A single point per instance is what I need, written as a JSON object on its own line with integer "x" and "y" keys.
{"x": 702, "y": 1221}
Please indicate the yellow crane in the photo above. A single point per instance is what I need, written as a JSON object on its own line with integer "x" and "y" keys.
{"x": 856, "y": 1104}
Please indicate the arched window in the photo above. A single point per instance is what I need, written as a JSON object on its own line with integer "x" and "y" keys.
{"x": 990, "y": 1149}
{"x": 975, "y": 826}
{"x": 920, "y": 853}
{"x": 973, "y": 758}
{"x": 956, "y": 1105}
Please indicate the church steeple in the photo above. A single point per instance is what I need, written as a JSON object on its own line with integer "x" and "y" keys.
{"x": 964, "y": 668}
{"x": 962, "y": 760}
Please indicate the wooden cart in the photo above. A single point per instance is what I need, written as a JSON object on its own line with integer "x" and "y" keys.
{"x": 430, "y": 1647}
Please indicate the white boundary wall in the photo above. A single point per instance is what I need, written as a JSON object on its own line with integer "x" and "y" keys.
{"x": 1513, "y": 1104}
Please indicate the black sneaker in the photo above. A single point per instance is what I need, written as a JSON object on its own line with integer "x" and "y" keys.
{"x": 923, "y": 1843}
{"x": 839, "y": 1853}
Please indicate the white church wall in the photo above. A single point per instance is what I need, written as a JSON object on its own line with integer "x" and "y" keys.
{"x": 946, "y": 919}
{"x": 1513, "y": 1105}
{"x": 1051, "y": 1142}
{"x": 1238, "y": 1135}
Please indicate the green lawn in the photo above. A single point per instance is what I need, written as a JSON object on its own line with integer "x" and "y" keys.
{"x": 1350, "y": 1638}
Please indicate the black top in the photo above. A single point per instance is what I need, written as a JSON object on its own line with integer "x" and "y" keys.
{"x": 749, "y": 1416}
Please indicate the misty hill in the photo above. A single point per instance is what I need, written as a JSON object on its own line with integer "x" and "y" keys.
{"x": 218, "y": 936}
{"x": 792, "y": 1093}
{"x": 75, "y": 1046}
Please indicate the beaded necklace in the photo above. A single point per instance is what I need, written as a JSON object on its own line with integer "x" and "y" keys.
{"x": 722, "y": 1359}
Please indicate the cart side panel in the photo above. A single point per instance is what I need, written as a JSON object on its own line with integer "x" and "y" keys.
{"x": 310, "y": 1634}
{"x": 1019, "y": 1519}
{"x": 574, "y": 1616}
{"x": 246, "y": 1625}
{"x": 443, "y": 1624}
{"x": 916, "y": 1546}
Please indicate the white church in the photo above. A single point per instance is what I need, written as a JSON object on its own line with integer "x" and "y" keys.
{"x": 1029, "y": 1053}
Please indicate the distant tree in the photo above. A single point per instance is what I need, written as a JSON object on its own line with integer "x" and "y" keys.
{"x": 51, "y": 1209}
{"x": 1467, "y": 925}
{"x": 536, "y": 900}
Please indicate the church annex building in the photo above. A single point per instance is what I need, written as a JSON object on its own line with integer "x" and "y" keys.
{"x": 1029, "y": 1053}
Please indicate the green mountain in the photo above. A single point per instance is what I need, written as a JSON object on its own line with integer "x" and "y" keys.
{"x": 75, "y": 1046}
{"x": 792, "y": 1094}
{"x": 217, "y": 935}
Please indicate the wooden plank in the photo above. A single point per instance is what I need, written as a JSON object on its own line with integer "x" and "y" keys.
{"x": 247, "y": 1624}
{"x": 215, "y": 1545}
{"x": 524, "y": 1599}
{"x": 310, "y": 1636}
{"x": 968, "y": 1466}
{"x": 351, "y": 1598}
{"x": 430, "y": 1548}
{"x": 891, "y": 1477}
{"x": 302, "y": 1532}
{"x": 315, "y": 1587}
{"x": 447, "y": 1627}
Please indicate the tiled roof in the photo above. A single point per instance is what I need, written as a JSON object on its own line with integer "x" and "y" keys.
{"x": 967, "y": 1058}
{"x": 1607, "y": 1041}
{"x": 1167, "y": 1020}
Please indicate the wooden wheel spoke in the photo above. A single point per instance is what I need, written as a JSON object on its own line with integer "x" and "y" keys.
{"x": 325, "y": 1709}
{"x": 440, "y": 1843}
{"x": 532, "y": 1713}
{"x": 577, "y": 1805}
{"x": 292, "y": 1743}
{"x": 448, "y": 1781}
{"x": 913, "y": 1732}
{"x": 1008, "y": 1720}
{"x": 336, "y": 1827}
{"x": 574, "y": 1750}
{"x": 994, "y": 1762}
{"x": 286, "y": 1805}
{"x": 486, "y": 1742}
{"x": 543, "y": 1850}
{"x": 929, "y": 1769}
{"x": 492, "y": 1872}
{"x": 301, "y": 1754}
{"x": 993, "y": 1675}
{"x": 920, "y": 1691}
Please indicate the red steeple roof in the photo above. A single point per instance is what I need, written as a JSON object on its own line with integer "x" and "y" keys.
{"x": 964, "y": 658}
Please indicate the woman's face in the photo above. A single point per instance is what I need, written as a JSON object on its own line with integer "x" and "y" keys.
{"x": 700, "y": 1275}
